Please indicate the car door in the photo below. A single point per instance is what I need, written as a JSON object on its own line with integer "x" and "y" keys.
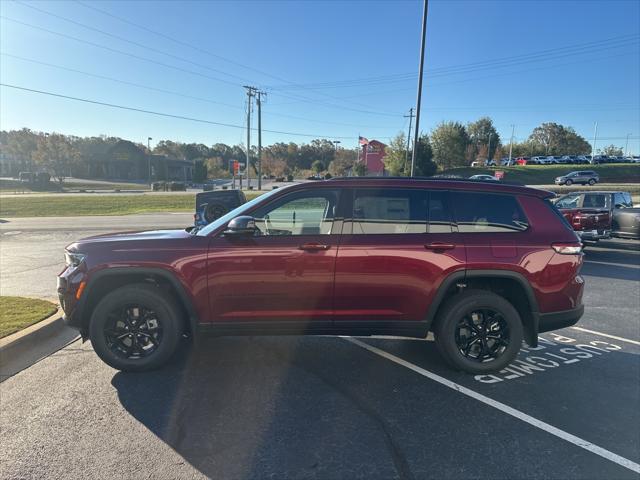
{"x": 283, "y": 273}
{"x": 389, "y": 265}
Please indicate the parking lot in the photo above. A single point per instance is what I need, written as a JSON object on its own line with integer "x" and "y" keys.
{"x": 326, "y": 407}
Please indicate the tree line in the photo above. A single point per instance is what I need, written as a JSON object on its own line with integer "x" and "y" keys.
{"x": 449, "y": 145}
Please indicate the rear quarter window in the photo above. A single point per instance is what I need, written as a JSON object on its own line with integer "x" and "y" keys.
{"x": 479, "y": 212}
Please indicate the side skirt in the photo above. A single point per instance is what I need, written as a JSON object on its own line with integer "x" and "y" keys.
{"x": 418, "y": 329}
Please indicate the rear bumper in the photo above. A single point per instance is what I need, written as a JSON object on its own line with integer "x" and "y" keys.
{"x": 558, "y": 320}
{"x": 594, "y": 234}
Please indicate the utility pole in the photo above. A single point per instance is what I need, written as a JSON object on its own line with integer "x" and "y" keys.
{"x": 513, "y": 130}
{"x": 259, "y": 102}
{"x": 251, "y": 91}
{"x": 419, "y": 99}
{"x": 406, "y": 153}
{"x": 595, "y": 138}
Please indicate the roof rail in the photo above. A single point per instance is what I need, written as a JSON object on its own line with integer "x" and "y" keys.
{"x": 432, "y": 179}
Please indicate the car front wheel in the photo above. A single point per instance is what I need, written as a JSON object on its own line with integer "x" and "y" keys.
{"x": 135, "y": 328}
{"x": 568, "y": 182}
{"x": 478, "y": 332}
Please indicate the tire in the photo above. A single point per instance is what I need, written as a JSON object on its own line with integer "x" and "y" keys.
{"x": 122, "y": 311}
{"x": 592, "y": 182}
{"x": 451, "y": 324}
{"x": 568, "y": 182}
{"x": 214, "y": 211}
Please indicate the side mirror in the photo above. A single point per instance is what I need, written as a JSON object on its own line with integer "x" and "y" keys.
{"x": 242, "y": 225}
{"x": 618, "y": 205}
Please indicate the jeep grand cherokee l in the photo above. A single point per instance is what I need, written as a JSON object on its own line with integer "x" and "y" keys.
{"x": 483, "y": 266}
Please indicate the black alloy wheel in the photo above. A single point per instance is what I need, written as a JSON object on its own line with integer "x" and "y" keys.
{"x": 482, "y": 335}
{"x": 133, "y": 332}
{"x": 478, "y": 331}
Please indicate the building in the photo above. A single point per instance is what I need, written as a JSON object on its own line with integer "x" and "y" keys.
{"x": 372, "y": 155}
{"x": 127, "y": 161}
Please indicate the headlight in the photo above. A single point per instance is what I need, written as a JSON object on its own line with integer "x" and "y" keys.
{"x": 73, "y": 259}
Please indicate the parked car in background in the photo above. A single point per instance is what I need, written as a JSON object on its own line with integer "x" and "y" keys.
{"x": 583, "y": 177}
{"x": 482, "y": 266}
{"x": 489, "y": 178}
{"x": 591, "y": 214}
{"x": 626, "y": 223}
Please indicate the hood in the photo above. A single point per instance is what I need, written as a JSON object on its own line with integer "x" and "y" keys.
{"x": 133, "y": 236}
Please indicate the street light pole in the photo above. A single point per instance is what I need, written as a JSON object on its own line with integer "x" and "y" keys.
{"x": 419, "y": 99}
{"x": 626, "y": 146}
{"x": 149, "y": 159}
{"x": 513, "y": 129}
{"x": 595, "y": 137}
{"x": 336, "y": 142}
{"x": 489, "y": 148}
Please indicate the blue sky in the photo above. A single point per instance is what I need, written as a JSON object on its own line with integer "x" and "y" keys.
{"x": 330, "y": 69}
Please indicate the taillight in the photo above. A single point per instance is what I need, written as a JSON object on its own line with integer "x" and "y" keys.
{"x": 567, "y": 248}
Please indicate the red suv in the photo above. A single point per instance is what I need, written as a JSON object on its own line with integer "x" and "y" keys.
{"x": 483, "y": 266}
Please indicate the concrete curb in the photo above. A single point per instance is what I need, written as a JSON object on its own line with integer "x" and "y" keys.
{"x": 24, "y": 348}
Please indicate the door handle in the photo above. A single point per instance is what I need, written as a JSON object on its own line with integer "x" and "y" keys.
{"x": 314, "y": 247}
{"x": 439, "y": 246}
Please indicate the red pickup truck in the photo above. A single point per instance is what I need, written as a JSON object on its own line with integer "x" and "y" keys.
{"x": 591, "y": 214}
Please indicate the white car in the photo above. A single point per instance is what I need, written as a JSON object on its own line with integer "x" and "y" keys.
{"x": 489, "y": 178}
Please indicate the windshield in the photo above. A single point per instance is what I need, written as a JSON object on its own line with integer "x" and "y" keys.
{"x": 204, "y": 231}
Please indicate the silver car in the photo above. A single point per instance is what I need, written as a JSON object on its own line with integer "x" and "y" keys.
{"x": 583, "y": 177}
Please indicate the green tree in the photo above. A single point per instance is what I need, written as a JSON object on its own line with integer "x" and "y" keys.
{"x": 610, "y": 151}
{"x": 360, "y": 169}
{"x": 395, "y": 156}
{"x": 317, "y": 166}
{"x": 449, "y": 142}
{"x": 21, "y": 144}
{"x": 425, "y": 166}
{"x": 483, "y": 133}
{"x": 556, "y": 139}
{"x": 57, "y": 155}
{"x": 343, "y": 161}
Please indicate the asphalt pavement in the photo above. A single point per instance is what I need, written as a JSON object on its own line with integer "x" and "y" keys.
{"x": 333, "y": 408}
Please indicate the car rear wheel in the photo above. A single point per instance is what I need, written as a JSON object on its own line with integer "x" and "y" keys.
{"x": 135, "y": 328}
{"x": 478, "y": 332}
{"x": 592, "y": 182}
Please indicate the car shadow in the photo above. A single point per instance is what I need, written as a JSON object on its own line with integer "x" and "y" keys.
{"x": 318, "y": 407}
{"x": 263, "y": 407}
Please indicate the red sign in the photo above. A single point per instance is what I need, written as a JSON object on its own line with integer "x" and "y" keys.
{"x": 236, "y": 167}
{"x": 499, "y": 174}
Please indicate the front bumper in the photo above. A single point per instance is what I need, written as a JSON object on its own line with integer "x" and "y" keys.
{"x": 557, "y": 320}
{"x": 593, "y": 235}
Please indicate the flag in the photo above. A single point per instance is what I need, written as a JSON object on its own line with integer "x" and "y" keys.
{"x": 363, "y": 141}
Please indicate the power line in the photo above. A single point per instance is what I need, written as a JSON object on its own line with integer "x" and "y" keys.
{"x": 162, "y": 114}
{"x": 146, "y": 59}
{"x": 299, "y": 97}
{"x": 115, "y": 50}
{"x": 132, "y": 42}
{"x": 179, "y": 94}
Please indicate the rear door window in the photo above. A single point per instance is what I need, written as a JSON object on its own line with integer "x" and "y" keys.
{"x": 478, "y": 212}
{"x": 389, "y": 211}
{"x": 596, "y": 200}
{"x": 439, "y": 219}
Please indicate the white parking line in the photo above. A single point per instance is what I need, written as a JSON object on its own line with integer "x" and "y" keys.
{"x": 624, "y": 462}
{"x": 622, "y": 339}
